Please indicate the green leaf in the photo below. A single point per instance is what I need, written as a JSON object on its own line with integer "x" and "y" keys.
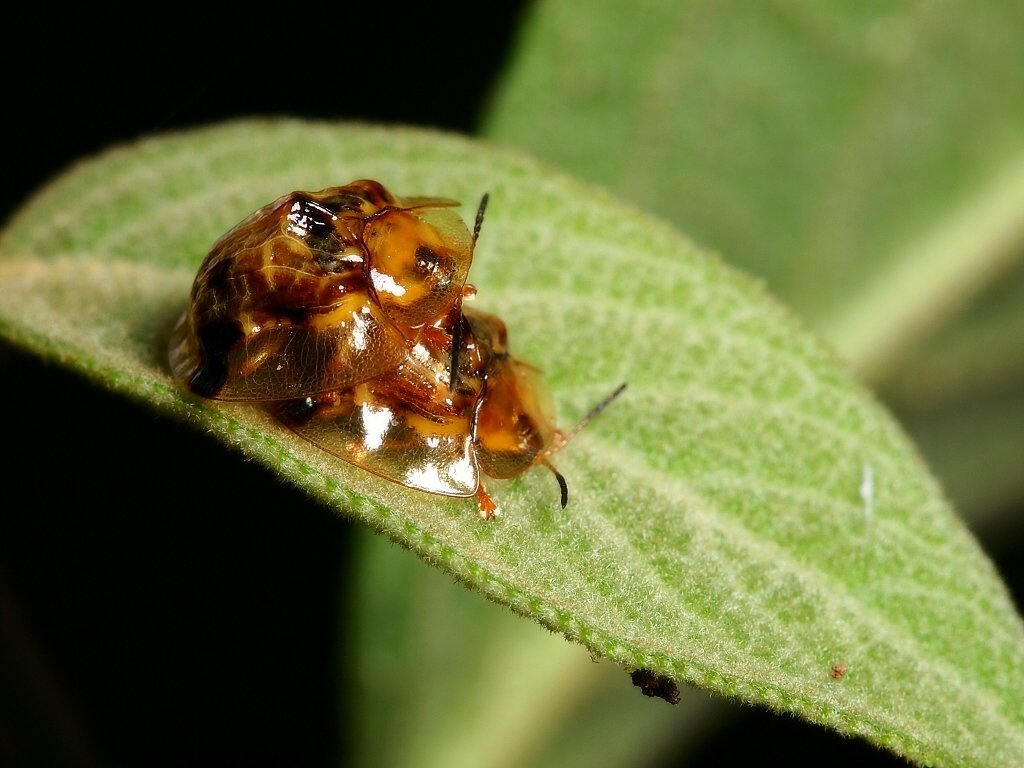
{"x": 466, "y": 683}
{"x": 743, "y": 519}
{"x": 866, "y": 159}
{"x": 834, "y": 148}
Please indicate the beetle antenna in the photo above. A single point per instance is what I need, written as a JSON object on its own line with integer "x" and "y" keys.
{"x": 563, "y": 487}
{"x": 561, "y": 440}
{"x": 453, "y": 372}
{"x": 480, "y": 216}
{"x": 593, "y": 413}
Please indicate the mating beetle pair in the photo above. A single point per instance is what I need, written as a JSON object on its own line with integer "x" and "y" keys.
{"x": 343, "y": 311}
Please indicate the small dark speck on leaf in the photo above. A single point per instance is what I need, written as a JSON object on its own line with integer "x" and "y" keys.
{"x": 655, "y": 685}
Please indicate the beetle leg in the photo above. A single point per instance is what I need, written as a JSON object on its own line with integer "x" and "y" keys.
{"x": 488, "y": 507}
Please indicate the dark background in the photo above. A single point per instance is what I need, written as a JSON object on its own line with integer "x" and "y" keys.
{"x": 199, "y": 627}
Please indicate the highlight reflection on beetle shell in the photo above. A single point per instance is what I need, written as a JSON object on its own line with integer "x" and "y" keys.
{"x": 342, "y": 311}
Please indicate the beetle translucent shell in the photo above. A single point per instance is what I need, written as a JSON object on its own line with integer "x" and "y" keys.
{"x": 342, "y": 311}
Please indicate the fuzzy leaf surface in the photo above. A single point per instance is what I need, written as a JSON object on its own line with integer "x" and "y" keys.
{"x": 744, "y": 519}
{"x": 865, "y": 159}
